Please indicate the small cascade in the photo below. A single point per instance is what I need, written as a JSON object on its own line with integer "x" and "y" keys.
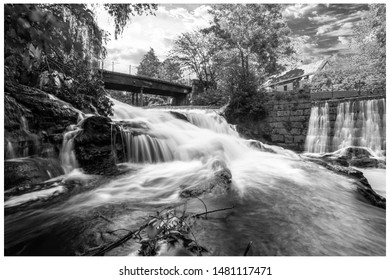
{"x": 141, "y": 148}
{"x": 317, "y": 135}
{"x": 361, "y": 123}
{"x": 211, "y": 121}
{"x": 358, "y": 123}
{"x": 30, "y": 144}
{"x": 67, "y": 155}
{"x": 24, "y": 123}
{"x": 10, "y": 154}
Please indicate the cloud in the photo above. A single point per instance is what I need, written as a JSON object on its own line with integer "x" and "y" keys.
{"x": 343, "y": 30}
{"x": 322, "y": 18}
{"x": 157, "y": 32}
{"x": 298, "y": 10}
{"x": 324, "y": 28}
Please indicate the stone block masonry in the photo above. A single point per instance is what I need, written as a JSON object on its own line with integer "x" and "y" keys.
{"x": 288, "y": 115}
{"x": 288, "y": 119}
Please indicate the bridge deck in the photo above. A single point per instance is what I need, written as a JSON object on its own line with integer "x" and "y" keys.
{"x": 133, "y": 83}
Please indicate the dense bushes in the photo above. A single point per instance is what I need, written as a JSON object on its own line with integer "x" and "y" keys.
{"x": 211, "y": 97}
{"x": 246, "y": 103}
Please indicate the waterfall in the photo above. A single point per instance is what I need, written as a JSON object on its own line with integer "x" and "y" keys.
{"x": 285, "y": 205}
{"x": 145, "y": 148}
{"x": 317, "y": 135}
{"x": 361, "y": 123}
{"x": 67, "y": 155}
{"x": 10, "y": 150}
{"x": 358, "y": 123}
{"x": 210, "y": 120}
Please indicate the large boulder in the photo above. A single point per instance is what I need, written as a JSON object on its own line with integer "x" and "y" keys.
{"x": 362, "y": 186}
{"x": 31, "y": 117}
{"x": 351, "y": 156}
{"x": 23, "y": 173}
{"x": 96, "y": 146}
{"x": 42, "y": 111}
{"x": 218, "y": 184}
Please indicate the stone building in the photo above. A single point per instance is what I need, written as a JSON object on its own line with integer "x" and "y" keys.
{"x": 295, "y": 78}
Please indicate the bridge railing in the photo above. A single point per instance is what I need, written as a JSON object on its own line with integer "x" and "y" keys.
{"x": 124, "y": 68}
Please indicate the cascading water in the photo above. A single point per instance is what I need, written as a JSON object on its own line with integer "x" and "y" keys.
{"x": 317, "y": 135}
{"x": 10, "y": 151}
{"x": 67, "y": 155}
{"x": 358, "y": 123}
{"x": 283, "y": 204}
{"x": 361, "y": 123}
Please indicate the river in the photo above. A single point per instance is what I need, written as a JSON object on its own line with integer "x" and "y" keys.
{"x": 283, "y": 204}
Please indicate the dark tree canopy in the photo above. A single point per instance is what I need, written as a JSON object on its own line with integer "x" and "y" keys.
{"x": 55, "y": 46}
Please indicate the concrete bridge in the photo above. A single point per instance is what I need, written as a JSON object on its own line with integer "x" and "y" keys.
{"x": 144, "y": 85}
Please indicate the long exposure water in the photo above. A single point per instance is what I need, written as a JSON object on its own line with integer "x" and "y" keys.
{"x": 358, "y": 123}
{"x": 282, "y": 203}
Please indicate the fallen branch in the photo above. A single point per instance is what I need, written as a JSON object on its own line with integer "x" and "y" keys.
{"x": 247, "y": 248}
{"x": 106, "y": 219}
{"x": 131, "y": 234}
{"x": 213, "y": 211}
{"x": 118, "y": 242}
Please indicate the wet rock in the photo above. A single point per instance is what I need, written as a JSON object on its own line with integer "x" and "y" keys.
{"x": 22, "y": 173}
{"x": 41, "y": 111}
{"x": 179, "y": 116}
{"x": 219, "y": 184}
{"x": 93, "y": 148}
{"x": 260, "y": 146}
{"x": 362, "y": 185}
{"x": 351, "y": 156}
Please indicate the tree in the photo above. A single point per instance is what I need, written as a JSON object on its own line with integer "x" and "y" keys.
{"x": 149, "y": 65}
{"x": 256, "y": 33}
{"x": 55, "y": 46}
{"x": 199, "y": 53}
{"x": 170, "y": 71}
{"x": 255, "y": 36}
{"x": 365, "y": 68}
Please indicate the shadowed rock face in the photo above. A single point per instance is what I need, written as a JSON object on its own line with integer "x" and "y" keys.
{"x": 24, "y": 172}
{"x": 93, "y": 146}
{"x": 32, "y": 119}
{"x": 351, "y": 156}
{"x": 342, "y": 162}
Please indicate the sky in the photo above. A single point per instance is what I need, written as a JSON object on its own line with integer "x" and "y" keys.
{"x": 322, "y": 30}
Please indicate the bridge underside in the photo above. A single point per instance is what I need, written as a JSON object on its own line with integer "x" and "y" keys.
{"x": 145, "y": 85}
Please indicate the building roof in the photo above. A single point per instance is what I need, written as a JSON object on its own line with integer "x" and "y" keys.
{"x": 300, "y": 71}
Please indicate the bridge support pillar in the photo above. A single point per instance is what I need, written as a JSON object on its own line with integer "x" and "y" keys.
{"x": 142, "y": 97}
{"x": 181, "y": 100}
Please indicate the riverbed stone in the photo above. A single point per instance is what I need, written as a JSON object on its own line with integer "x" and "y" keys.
{"x": 24, "y": 172}
{"x": 218, "y": 184}
{"x": 93, "y": 146}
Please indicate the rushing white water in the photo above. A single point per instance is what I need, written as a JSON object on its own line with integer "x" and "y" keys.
{"x": 285, "y": 205}
{"x": 317, "y": 135}
{"x": 10, "y": 150}
{"x": 67, "y": 154}
{"x": 157, "y": 136}
{"x": 358, "y": 123}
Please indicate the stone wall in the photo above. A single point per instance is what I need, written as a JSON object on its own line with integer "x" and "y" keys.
{"x": 288, "y": 116}
{"x": 287, "y": 120}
